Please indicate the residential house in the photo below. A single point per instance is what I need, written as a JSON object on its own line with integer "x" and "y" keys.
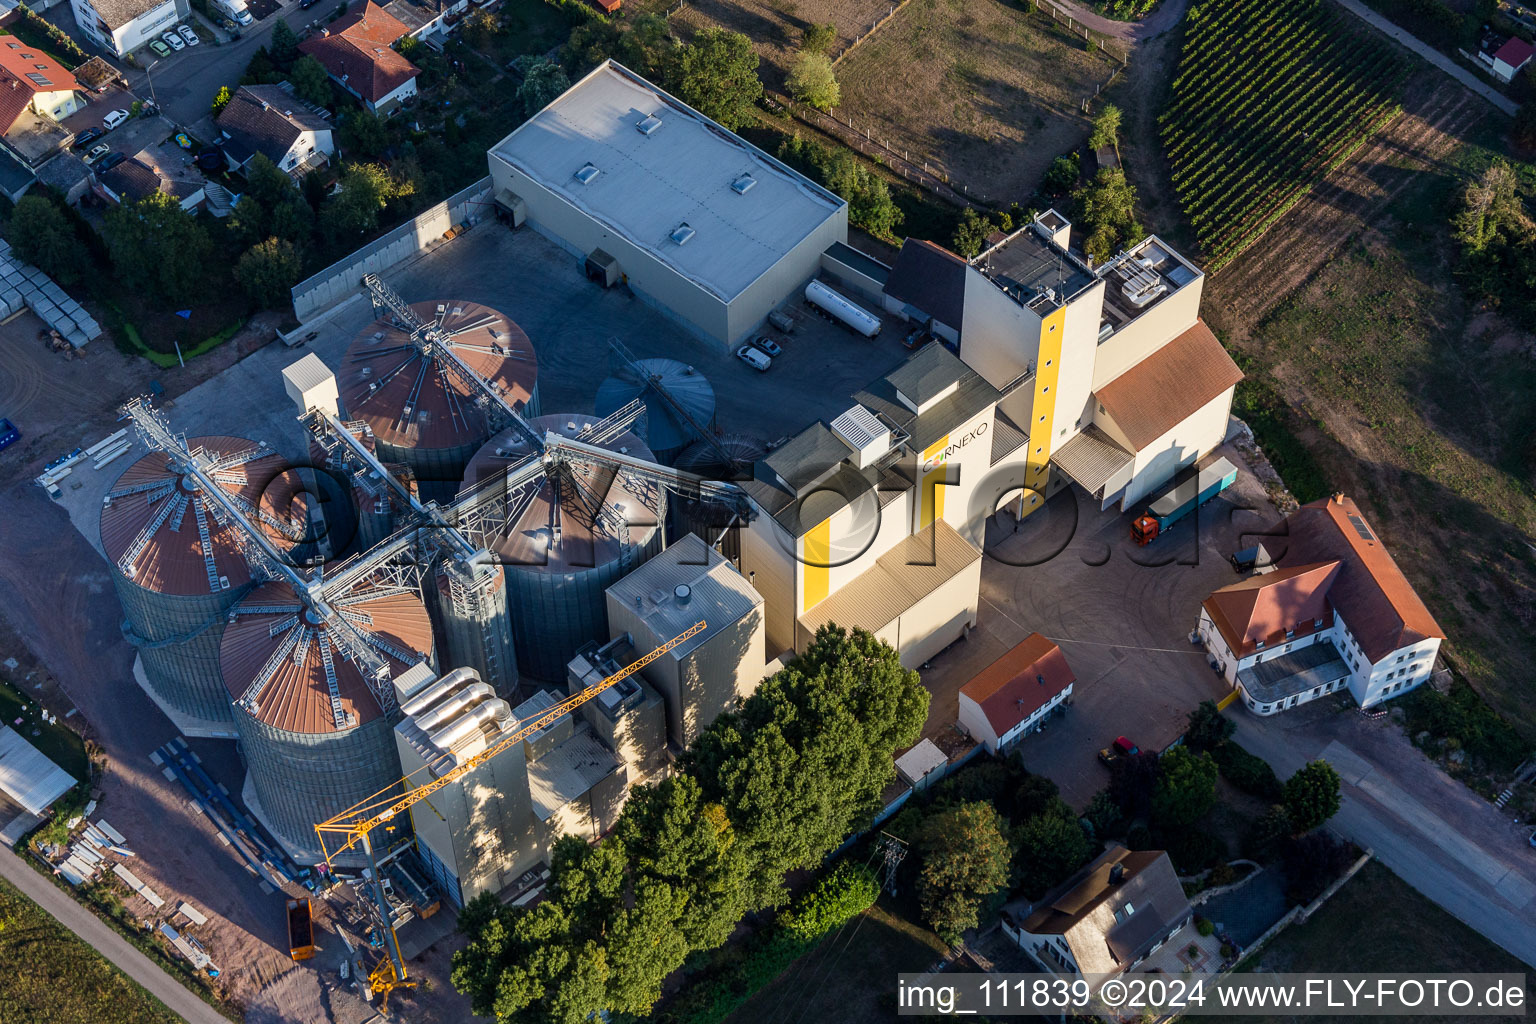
{"x": 1013, "y": 695}
{"x": 1506, "y": 61}
{"x": 428, "y": 20}
{"x": 270, "y": 120}
{"x": 1333, "y": 612}
{"x": 138, "y": 178}
{"x": 357, "y": 51}
{"x": 36, "y": 94}
{"x": 1107, "y": 918}
{"x": 122, "y": 26}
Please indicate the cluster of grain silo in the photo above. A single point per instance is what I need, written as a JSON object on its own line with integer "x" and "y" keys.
{"x": 679, "y": 401}
{"x": 179, "y": 566}
{"x": 420, "y": 413}
{"x": 471, "y": 605}
{"x": 559, "y": 556}
{"x": 315, "y": 737}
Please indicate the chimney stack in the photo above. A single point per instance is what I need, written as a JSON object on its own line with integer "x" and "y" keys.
{"x": 1116, "y": 874}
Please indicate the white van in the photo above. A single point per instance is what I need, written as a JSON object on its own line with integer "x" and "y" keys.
{"x": 113, "y": 119}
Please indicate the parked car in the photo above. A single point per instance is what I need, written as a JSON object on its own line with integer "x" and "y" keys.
{"x": 172, "y": 40}
{"x": 754, "y": 358}
{"x": 113, "y": 119}
{"x": 244, "y": 17}
{"x": 110, "y": 161}
{"x": 97, "y": 151}
{"x": 768, "y": 345}
{"x": 916, "y": 338}
{"x": 85, "y": 139}
{"x": 159, "y": 48}
{"x": 188, "y": 34}
{"x": 305, "y": 5}
{"x": 1122, "y": 747}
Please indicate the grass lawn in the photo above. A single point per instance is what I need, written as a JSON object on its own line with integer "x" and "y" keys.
{"x": 851, "y": 976}
{"x": 59, "y": 743}
{"x": 1378, "y": 923}
{"x": 978, "y": 88}
{"x": 527, "y": 26}
{"x": 1422, "y": 407}
{"x": 50, "y": 975}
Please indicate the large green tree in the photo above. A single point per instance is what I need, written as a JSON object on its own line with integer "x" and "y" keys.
{"x": 543, "y": 81}
{"x": 1208, "y": 727}
{"x": 803, "y": 763}
{"x": 284, "y": 45}
{"x": 268, "y": 270}
{"x": 966, "y": 855}
{"x": 159, "y": 248}
{"x": 716, "y": 74}
{"x": 1051, "y": 847}
{"x": 1311, "y": 796}
{"x": 1186, "y": 788}
{"x": 43, "y": 236}
{"x": 271, "y": 206}
{"x": 1106, "y": 127}
{"x": 311, "y": 82}
{"x": 1107, "y": 211}
{"x": 366, "y": 189}
{"x": 811, "y": 80}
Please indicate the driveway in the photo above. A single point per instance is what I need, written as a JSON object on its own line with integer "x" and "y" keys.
{"x": 1434, "y": 833}
{"x": 106, "y": 942}
{"x": 1155, "y": 24}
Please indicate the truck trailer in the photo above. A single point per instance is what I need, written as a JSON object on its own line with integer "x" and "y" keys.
{"x": 301, "y": 930}
{"x": 1182, "y": 499}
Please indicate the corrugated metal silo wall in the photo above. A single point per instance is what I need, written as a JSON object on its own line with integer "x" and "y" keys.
{"x": 304, "y": 778}
{"x": 439, "y": 471}
{"x": 375, "y": 520}
{"x": 477, "y": 632}
{"x": 555, "y": 613}
{"x": 181, "y": 652}
{"x": 532, "y": 409}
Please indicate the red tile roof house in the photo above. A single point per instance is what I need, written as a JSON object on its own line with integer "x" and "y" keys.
{"x": 1335, "y": 612}
{"x": 1013, "y": 695}
{"x": 1508, "y": 59}
{"x": 356, "y": 50}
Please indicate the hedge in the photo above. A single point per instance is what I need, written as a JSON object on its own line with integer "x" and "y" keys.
{"x": 1251, "y": 774}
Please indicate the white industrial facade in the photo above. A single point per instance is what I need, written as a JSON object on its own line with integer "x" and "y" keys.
{"x": 698, "y": 222}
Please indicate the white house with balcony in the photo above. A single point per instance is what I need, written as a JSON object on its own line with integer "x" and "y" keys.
{"x": 122, "y": 26}
{"x": 1332, "y": 612}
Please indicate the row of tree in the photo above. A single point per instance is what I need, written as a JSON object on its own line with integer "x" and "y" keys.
{"x": 771, "y": 788}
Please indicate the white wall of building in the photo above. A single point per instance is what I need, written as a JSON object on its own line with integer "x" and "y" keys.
{"x": 133, "y": 34}
{"x": 1186, "y": 443}
{"x": 975, "y": 722}
{"x": 1000, "y": 338}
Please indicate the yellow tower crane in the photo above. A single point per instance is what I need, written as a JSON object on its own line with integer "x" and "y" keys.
{"x": 355, "y": 824}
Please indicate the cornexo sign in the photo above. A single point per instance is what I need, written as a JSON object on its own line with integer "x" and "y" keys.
{"x": 935, "y": 461}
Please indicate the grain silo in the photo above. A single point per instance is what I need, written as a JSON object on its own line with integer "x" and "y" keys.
{"x": 420, "y": 413}
{"x": 179, "y": 567}
{"x": 574, "y": 532}
{"x": 724, "y": 457}
{"x": 315, "y": 739}
{"x": 674, "y": 394}
{"x": 471, "y": 605}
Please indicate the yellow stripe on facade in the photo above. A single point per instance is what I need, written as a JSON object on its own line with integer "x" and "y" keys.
{"x": 815, "y": 571}
{"x": 930, "y": 486}
{"x": 1042, "y": 426}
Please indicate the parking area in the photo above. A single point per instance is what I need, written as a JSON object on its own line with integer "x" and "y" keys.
{"x": 1121, "y": 614}
{"x": 127, "y": 138}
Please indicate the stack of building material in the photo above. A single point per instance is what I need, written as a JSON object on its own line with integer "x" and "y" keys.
{"x": 23, "y": 286}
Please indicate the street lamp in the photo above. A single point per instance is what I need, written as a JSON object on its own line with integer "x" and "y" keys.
{"x": 152, "y": 97}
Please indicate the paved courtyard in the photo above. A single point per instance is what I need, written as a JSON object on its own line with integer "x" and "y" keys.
{"x": 1121, "y": 614}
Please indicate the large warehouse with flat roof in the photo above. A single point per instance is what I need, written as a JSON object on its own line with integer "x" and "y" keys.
{"x": 645, "y": 189}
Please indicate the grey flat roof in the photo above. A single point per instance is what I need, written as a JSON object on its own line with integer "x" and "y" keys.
{"x": 1275, "y": 679}
{"x": 718, "y": 594}
{"x": 27, "y": 775}
{"x": 1024, "y": 265}
{"x": 568, "y": 772}
{"x": 924, "y": 375}
{"x": 682, "y": 172}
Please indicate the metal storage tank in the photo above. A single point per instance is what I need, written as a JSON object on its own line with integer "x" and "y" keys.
{"x": 420, "y": 414}
{"x": 313, "y": 734}
{"x": 559, "y": 561}
{"x": 663, "y": 430}
{"x": 471, "y": 606}
{"x": 178, "y": 569}
{"x": 709, "y": 519}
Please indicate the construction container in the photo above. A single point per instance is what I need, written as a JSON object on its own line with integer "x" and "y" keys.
{"x": 178, "y": 568}
{"x": 665, "y": 428}
{"x": 301, "y": 930}
{"x": 312, "y": 731}
{"x": 1182, "y": 499}
{"x": 421, "y": 414}
{"x": 558, "y": 559}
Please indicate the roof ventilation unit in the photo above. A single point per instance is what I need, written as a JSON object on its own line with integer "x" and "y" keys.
{"x": 649, "y": 125}
{"x": 587, "y": 173}
{"x": 743, "y": 184}
{"x": 862, "y": 431}
{"x": 682, "y": 233}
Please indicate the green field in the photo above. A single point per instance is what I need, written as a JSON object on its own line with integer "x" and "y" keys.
{"x": 1377, "y": 923}
{"x": 1270, "y": 95}
{"x": 52, "y": 976}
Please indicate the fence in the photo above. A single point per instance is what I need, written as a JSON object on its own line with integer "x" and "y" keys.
{"x": 873, "y": 28}
{"x": 345, "y": 276}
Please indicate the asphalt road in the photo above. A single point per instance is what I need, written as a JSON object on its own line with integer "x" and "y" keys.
{"x": 185, "y": 83}
{"x": 1431, "y": 831}
{"x": 107, "y": 942}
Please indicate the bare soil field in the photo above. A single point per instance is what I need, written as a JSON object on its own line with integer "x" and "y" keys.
{"x": 774, "y": 26}
{"x": 979, "y": 88}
